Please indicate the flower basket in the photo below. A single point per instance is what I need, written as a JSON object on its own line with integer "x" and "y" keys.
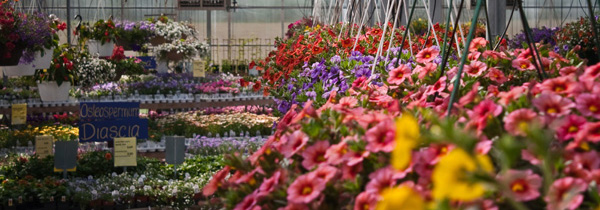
{"x": 141, "y": 201}
{"x": 50, "y": 91}
{"x": 103, "y": 50}
{"x": 174, "y": 56}
{"x": 43, "y": 61}
{"x": 158, "y": 40}
{"x": 16, "y": 54}
{"x": 18, "y": 70}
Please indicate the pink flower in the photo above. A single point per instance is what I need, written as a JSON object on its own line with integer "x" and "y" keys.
{"x": 496, "y": 76}
{"x": 365, "y": 201}
{"x": 590, "y": 132}
{"x": 517, "y": 122}
{"x": 477, "y": 43}
{"x": 588, "y": 104}
{"x": 426, "y": 70}
{"x": 315, "y": 154}
{"x": 439, "y": 86}
{"x": 427, "y": 55}
{"x": 305, "y": 189}
{"x": 571, "y": 125}
{"x": 381, "y": 137}
{"x": 568, "y": 70}
{"x": 513, "y": 94}
{"x": 591, "y": 72}
{"x": 553, "y": 105}
{"x": 295, "y": 143}
{"x": 356, "y": 157}
{"x": 270, "y": 184}
{"x": 583, "y": 165}
{"x": 215, "y": 182}
{"x": 475, "y": 69}
{"x": 522, "y": 64}
{"x": 294, "y": 206}
{"x": 485, "y": 110}
{"x": 559, "y": 85}
{"x": 347, "y": 102}
{"x": 523, "y": 185}
{"x": 336, "y": 152}
{"x": 398, "y": 75}
{"x": 350, "y": 172}
{"x": 565, "y": 194}
{"x": 483, "y": 147}
{"x": 326, "y": 172}
{"x": 381, "y": 179}
{"x": 248, "y": 203}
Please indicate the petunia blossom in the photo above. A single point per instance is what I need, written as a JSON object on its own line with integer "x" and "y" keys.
{"x": 565, "y": 193}
{"x": 315, "y": 154}
{"x": 399, "y": 75}
{"x": 522, "y": 185}
{"x": 427, "y": 55}
{"x": 380, "y": 138}
{"x": 305, "y": 189}
{"x": 517, "y": 122}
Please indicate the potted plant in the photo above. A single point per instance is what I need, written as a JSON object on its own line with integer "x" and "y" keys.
{"x": 93, "y": 70}
{"x": 133, "y": 35}
{"x": 39, "y": 33}
{"x": 126, "y": 66}
{"x": 166, "y": 30}
{"x": 180, "y": 50}
{"x": 55, "y": 82}
{"x": 100, "y": 37}
{"x": 13, "y": 46}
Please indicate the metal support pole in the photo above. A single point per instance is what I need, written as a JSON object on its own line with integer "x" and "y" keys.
{"x": 229, "y": 35}
{"x": 209, "y": 26}
{"x": 282, "y": 20}
{"x": 436, "y": 11}
{"x": 69, "y": 22}
{"x": 123, "y": 10}
{"x": 497, "y": 14}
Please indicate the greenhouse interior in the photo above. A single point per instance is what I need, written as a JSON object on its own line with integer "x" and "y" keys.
{"x": 300, "y": 104}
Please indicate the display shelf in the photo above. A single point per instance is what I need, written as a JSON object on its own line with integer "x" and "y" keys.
{"x": 154, "y": 104}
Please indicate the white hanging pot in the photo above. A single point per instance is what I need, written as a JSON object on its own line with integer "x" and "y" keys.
{"x": 50, "y": 91}
{"x": 43, "y": 61}
{"x": 103, "y": 50}
{"x": 161, "y": 66}
{"x": 18, "y": 70}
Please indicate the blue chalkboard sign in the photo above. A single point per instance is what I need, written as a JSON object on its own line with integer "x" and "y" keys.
{"x": 104, "y": 121}
{"x": 149, "y": 60}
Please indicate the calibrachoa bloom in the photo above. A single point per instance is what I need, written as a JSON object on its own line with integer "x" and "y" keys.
{"x": 522, "y": 185}
{"x": 381, "y": 137}
{"x": 553, "y": 105}
{"x": 518, "y": 121}
{"x": 427, "y": 55}
{"x": 570, "y": 127}
{"x": 315, "y": 154}
{"x": 399, "y": 75}
{"x": 522, "y": 64}
{"x": 588, "y": 104}
{"x": 305, "y": 189}
{"x": 565, "y": 193}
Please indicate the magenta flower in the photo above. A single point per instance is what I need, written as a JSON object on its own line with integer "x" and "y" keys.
{"x": 270, "y": 184}
{"x": 398, "y": 75}
{"x": 553, "y": 105}
{"x": 485, "y": 110}
{"x": 295, "y": 143}
{"x": 475, "y": 69}
{"x": 381, "y": 137}
{"x": 248, "y": 203}
{"x": 326, "y": 172}
{"x": 565, "y": 193}
{"x": 315, "y": 154}
{"x": 522, "y": 64}
{"x": 477, "y": 43}
{"x": 523, "y": 185}
{"x": 559, "y": 85}
{"x": 305, "y": 189}
{"x": 381, "y": 179}
{"x": 571, "y": 125}
{"x": 583, "y": 165}
{"x": 517, "y": 122}
{"x": 427, "y": 55}
{"x": 365, "y": 201}
{"x": 336, "y": 152}
{"x": 591, "y": 72}
{"x": 589, "y": 104}
{"x": 590, "y": 132}
{"x": 496, "y": 76}
{"x": 426, "y": 70}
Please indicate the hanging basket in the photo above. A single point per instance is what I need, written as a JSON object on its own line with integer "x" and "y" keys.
{"x": 15, "y": 56}
{"x": 50, "y": 91}
{"x": 157, "y": 40}
{"x": 42, "y": 60}
{"x": 174, "y": 56}
{"x": 162, "y": 66}
{"x": 103, "y": 50}
{"x": 18, "y": 70}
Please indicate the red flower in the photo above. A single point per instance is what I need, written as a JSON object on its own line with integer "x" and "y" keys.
{"x": 243, "y": 82}
{"x": 10, "y": 46}
{"x": 105, "y": 33}
{"x": 256, "y": 86}
{"x": 108, "y": 156}
{"x": 62, "y": 26}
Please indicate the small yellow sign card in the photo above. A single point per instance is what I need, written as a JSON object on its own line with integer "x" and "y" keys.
{"x": 43, "y": 146}
{"x": 125, "y": 152}
{"x": 19, "y": 114}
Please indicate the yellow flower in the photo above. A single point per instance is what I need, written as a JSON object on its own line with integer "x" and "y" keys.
{"x": 450, "y": 176}
{"x": 400, "y": 198}
{"x": 407, "y": 138}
